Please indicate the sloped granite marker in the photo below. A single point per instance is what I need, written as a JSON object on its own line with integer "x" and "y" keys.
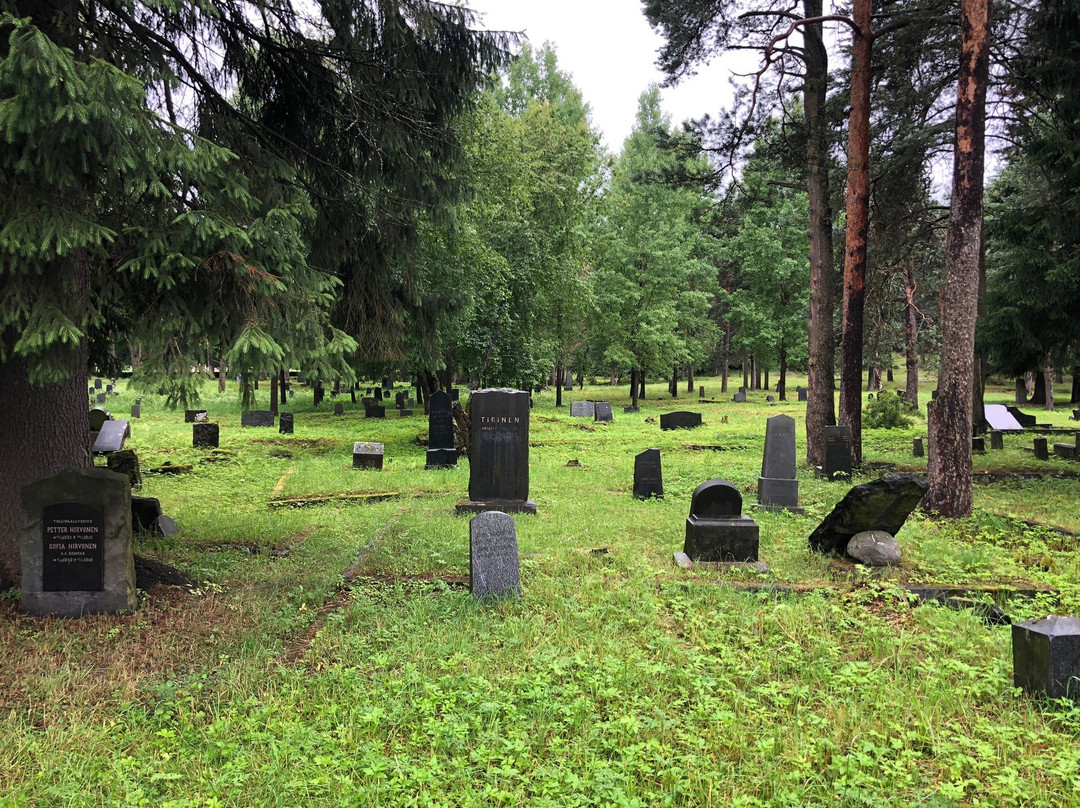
{"x": 493, "y": 556}
{"x": 110, "y": 437}
{"x": 877, "y": 505}
{"x": 1046, "y": 657}
{"x": 76, "y": 544}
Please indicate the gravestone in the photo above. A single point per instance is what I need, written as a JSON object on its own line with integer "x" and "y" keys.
{"x": 739, "y": 398}
{"x": 378, "y": 394}
{"x": 455, "y": 394}
{"x": 261, "y": 418}
{"x": 493, "y": 556}
{"x": 569, "y": 381}
{"x": 680, "y": 420}
{"x": 603, "y": 412}
{"x": 582, "y": 409}
{"x": 701, "y": 392}
{"x": 108, "y": 388}
{"x": 933, "y": 394}
{"x": 978, "y": 445}
{"x": 204, "y": 436}
{"x": 802, "y": 393}
{"x": 630, "y": 410}
{"x": 339, "y": 409}
{"x": 136, "y": 411}
{"x": 98, "y": 417}
{"x": 98, "y": 383}
{"x": 877, "y": 505}
{"x": 1068, "y": 450}
{"x": 917, "y": 449}
{"x": 126, "y": 462}
{"x": 648, "y": 477}
{"x": 770, "y": 399}
{"x": 1075, "y": 415}
{"x": 100, "y": 398}
{"x": 837, "y": 465}
{"x": 375, "y": 411}
{"x": 189, "y": 415}
{"x": 1046, "y": 657}
{"x": 716, "y": 529}
{"x": 777, "y": 487}
{"x": 285, "y": 423}
{"x": 1026, "y": 421}
{"x": 997, "y": 440}
{"x": 165, "y": 526}
{"x": 76, "y": 544}
{"x": 367, "y": 455}
{"x": 440, "y": 444}
{"x": 110, "y": 438}
{"x": 144, "y": 513}
{"x": 1041, "y": 452}
{"x": 999, "y": 418}
{"x": 399, "y": 400}
{"x": 499, "y": 453}
{"x": 1021, "y": 392}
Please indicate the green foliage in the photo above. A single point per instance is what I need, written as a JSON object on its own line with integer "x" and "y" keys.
{"x": 886, "y": 410}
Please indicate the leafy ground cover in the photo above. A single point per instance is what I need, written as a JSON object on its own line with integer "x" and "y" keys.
{"x": 332, "y": 654}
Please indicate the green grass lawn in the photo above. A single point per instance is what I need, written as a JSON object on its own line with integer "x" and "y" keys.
{"x": 617, "y": 679}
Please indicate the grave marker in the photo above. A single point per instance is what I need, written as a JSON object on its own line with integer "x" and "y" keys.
{"x": 837, "y": 463}
{"x": 440, "y": 445}
{"x": 582, "y": 409}
{"x": 648, "y": 477}
{"x": 285, "y": 423}
{"x": 257, "y": 418}
{"x": 110, "y": 438}
{"x": 98, "y": 417}
{"x": 367, "y": 455}
{"x": 716, "y": 529}
{"x": 189, "y": 415}
{"x": 878, "y": 505}
{"x": 917, "y": 449}
{"x": 777, "y": 486}
{"x": 339, "y": 409}
{"x": 739, "y": 398}
{"x": 1046, "y": 657}
{"x": 680, "y": 420}
{"x": 136, "y": 411}
{"x": 603, "y": 412}
{"x": 375, "y": 411}
{"x": 493, "y": 556}
{"x": 997, "y": 440}
{"x": 802, "y": 393}
{"x": 204, "y": 436}
{"x": 499, "y": 453}
{"x": 1041, "y": 452}
{"x": 76, "y": 544}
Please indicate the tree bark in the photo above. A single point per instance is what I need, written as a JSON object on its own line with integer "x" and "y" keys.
{"x": 1048, "y": 377}
{"x": 1074, "y": 397}
{"x": 949, "y": 463}
{"x": 978, "y": 379}
{"x": 561, "y": 376}
{"x": 634, "y": 387}
{"x": 858, "y": 215}
{"x": 1038, "y": 390}
{"x": 911, "y": 339}
{"x": 781, "y": 382}
{"x": 44, "y": 431}
{"x": 675, "y": 381}
{"x": 273, "y": 393}
{"x": 689, "y": 378}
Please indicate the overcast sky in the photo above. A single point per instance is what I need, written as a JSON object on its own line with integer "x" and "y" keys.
{"x": 610, "y": 50}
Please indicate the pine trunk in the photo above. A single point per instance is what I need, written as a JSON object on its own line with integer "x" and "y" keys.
{"x": 1048, "y": 381}
{"x": 911, "y": 340}
{"x": 821, "y": 371}
{"x": 781, "y": 382}
{"x": 561, "y": 376}
{"x": 858, "y": 215}
{"x": 949, "y": 464}
{"x": 634, "y": 387}
{"x": 1074, "y": 397}
{"x": 689, "y": 378}
{"x": 273, "y": 393}
{"x": 44, "y": 431}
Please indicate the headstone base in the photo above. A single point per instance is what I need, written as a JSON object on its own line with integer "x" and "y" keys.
{"x": 504, "y": 505}
{"x": 734, "y": 539}
{"x": 777, "y": 494}
{"x": 682, "y": 561}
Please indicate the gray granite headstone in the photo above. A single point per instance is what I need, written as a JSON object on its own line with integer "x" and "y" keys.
{"x": 777, "y": 486}
{"x": 603, "y": 412}
{"x": 498, "y": 453}
{"x": 262, "y": 418}
{"x": 1046, "y": 657}
{"x": 680, "y": 420}
{"x": 1020, "y": 394}
{"x": 205, "y": 436}
{"x": 366, "y": 455}
{"x": 802, "y": 393}
{"x": 440, "y": 444}
{"x": 648, "y": 476}
{"x": 339, "y": 409}
{"x": 716, "y": 529}
{"x": 110, "y": 438}
{"x": 136, "y": 411}
{"x": 493, "y": 556}
{"x": 739, "y": 398}
{"x": 701, "y": 392}
{"x": 165, "y": 526}
{"x": 285, "y": 423}
{"x": 98, "y": 384}
{"x": 877, "y": 505}
{"x": 101, "y": 398}
{"x": 569, "y": 384}
{"x": 582, "y": 409}
{"x": 770, "y": 399}
{"x": 76, "y": 544}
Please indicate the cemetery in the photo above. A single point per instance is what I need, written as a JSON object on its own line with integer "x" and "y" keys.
{"x": 465, "y": 427}
{"x": 351, "y": 606}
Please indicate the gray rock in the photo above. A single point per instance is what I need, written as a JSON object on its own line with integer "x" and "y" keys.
{"x": 874, "y": 548}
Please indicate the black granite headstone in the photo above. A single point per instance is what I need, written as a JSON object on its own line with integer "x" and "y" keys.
{"x": 997, "y": 440}
{"x": 978, "y": 445}
{"x": 455, "y": 394}
{"x": 802, "y": 393}
{"x": 367, "y": 455}
{"x": 837, "y": 463}
{"x": 375, "y": 411}
{"x": 339, "y": 409}
{"x": 716, "y": 530}
{"x": 1020, "y": 392}
{"x": 648, "y": 476}
{"x": 917, "y": 449}
{"x": 98, "y": 384}
{"x": 739, "y": 398}
{"x": 701, "y": 392}
{"x": 1046, "y": 657}
{"x": 680, "y": 420}
{"x": 777, "y": 486}
{"x": 1041, "y": 451}
{"x": 286, "y": 421}
{"x": 110, "y": 438}
{"x": 493, "y": 556}
{"x": 204, "y": 436}
{"x": 98, "y": 417}
{"x": 1026, "y": 421}
{"x": 603, "y": 411}
{"x": 499, "y": 452}
{"x": 440, "y": 451}
{"x": 264, "y": 418}
{"x": 73, "y": 555}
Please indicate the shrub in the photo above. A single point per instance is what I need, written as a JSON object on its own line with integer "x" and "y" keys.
{"x": 885, "y": 411}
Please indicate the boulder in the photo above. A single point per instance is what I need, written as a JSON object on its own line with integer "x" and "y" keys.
{"x": 874, "y": 548}
{"x": 878, "y": 505}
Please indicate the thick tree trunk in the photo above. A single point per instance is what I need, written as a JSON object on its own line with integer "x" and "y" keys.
{"x": 978, "y": 379}
{"x": 858, "y": 215}
{"x": 911, "y": 339}
{"x": 634, "y": 387}
{"x": 1048, "y": 382}
{"x": 725, "y": 356}
{"x": 675, "y": 381}
{"x": 1074, "y": 397}
{"x": 273, "y": 392}
{"x": 1038, "y": 390}
{"x": 44, "y": 431}
{"x": 949, "y": 463}
{"x": 221, "y": 370}
{"x": 745, "y": 373}
{"x": 766, "y": 371}
{"x": 689, "y": 378}
{"x": 641, "y": 382}
{"x": 283, "y": 378}
{"x": 614, "y": 378}
{"x": 889, "y": 375}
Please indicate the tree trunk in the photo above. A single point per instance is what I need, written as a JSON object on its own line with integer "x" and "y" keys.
{"x": 614, "y": 382}
{"x": 949, "y": 464}
{"x": 745, "y": 373}
{"x": 1038, "y": 392}
{"x": 283, "y": 378}
{"x": 1048, "y": 376}
{"x": 641, "y": 381}
{"x": 889, "y": 375}
{"x": 1074, "y": 397}
{"x": 858, "y": 215}
{"x": 675, "y": 381}
{"x": 44, "y": 431}
{"x": 781, "y": 382}
{"x": 634, "y": 387}
{"x": 689, "y": 378}
{"x": 561, "y": 376}
{"x": 725, "y": 356}
{"x": 978, "y": 378}
{"x": 221, "y": 370}
{"x": 273, "y": 393}
{"x": 766, "y": 370}
{"x": 911, "y": 339}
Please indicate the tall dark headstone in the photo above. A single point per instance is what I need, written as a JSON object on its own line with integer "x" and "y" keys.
{"x": 1041, "y": 452}
{"x": 1020, "y": 397}
{"x": 701, "y": 392}
{"x": 455, "y": 394}
{"x": 76, "y": 544}
{"x": 136, "y": 411}
{"x": 375, "y": 411}
{"x": 285, "y": 423}
{"x": 378, "y": 394}
{"x": 98, "y": 417}
{"x": 339, "y": 409}
{"x": 569, "y": 382}
{"x": 716, "y": 529}
{"x": 498, "y": 453}
{"x": 648, "y": 477}
{"x": 1046, "y": 657}
{"x": 837, "y": 465}
{"x": 997, "y": 440}
{"x": 777, "y": 486}
{"x": 917, "y": 449}
{"x": 440, "y": 452}
{"x": 802, "y": 393}
{"x": 493, "y": 556}
{"x": 204, "y": 436}
{"x": 603, "y": 412}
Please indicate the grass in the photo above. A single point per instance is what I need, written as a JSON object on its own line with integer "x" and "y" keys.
{"x": 616, "y": 680}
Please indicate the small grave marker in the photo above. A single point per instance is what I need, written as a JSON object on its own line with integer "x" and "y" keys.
{"x": 440, "y": 452}
{"x": 367, "y": 455}
{"x": 917, "y": 449}
{"x": 136, "y": 411}
{"x": 204, "y": 436}
{"x": 603, "y": 412}
{"x": 493, "y": 556}
{"x": 285, "y": 423}
{"x": 1046, "y": 657}
{"x": 582, "y": 409}
{"x": 189, "y": 415}
{"x": 339, "y": 409}
{"x": 1041, "y": 452}
{"x": 257, "y": 418}
{"x": 110, "y": 437}
{"x": 716, "y": 529}
{"x": 680, "y": 420}
{"x": 997, "y": 440}
{"x": 648, "y": 477}
{"x": 98, "y": 417}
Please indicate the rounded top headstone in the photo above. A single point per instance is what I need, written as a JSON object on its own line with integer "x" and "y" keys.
{"x": 716, "y": 499}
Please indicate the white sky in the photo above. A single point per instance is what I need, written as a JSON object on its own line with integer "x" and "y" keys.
{"x": 609, "y": 49}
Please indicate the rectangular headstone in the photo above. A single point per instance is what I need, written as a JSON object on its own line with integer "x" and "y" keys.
{"x": 136, "y": 411}
{"x": 98, "y": 383}
{"x": 375, "y": 411}
{"x": 680, "y": 420}
{"x": 603, "y": 412}
{"x": 777, "y": 486}
{"x": 917, "y": 449}
{"x": 455, "y": 394}
{"x": 997, "y": 441}
{"x": 802, "y": 393}
{"x": 1021, "y": 392}
{"x": 837, "y": 463}
{"x": 285, "y": 423}
{"x": 339, "y": 409}
{"x": 499, "y": 452}
{"x": 441, "y": 451}
{"x": 367, "y": 455}
{"x": 493, "y": 556}
{"x": 1000, "y": 419}
{"x": 569, "y": 383}
{"x": 76, "y": 544}
{"x": 716, "y": 529}
{"x": 648, "y": 476}
{"x": 582, "y": 409}
{"x": 263, "y": 418}
{"x": 701, "y": 392}
{"x": 739, "y": 398}
{"x": 1046, "y": 657}
{"x": 101, "y": 398}
{"x": 978, "y": 445}
{"x": 110, "y": 437}
{"x": 204, "y": 436}
{"x": 1041, "y": 450}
